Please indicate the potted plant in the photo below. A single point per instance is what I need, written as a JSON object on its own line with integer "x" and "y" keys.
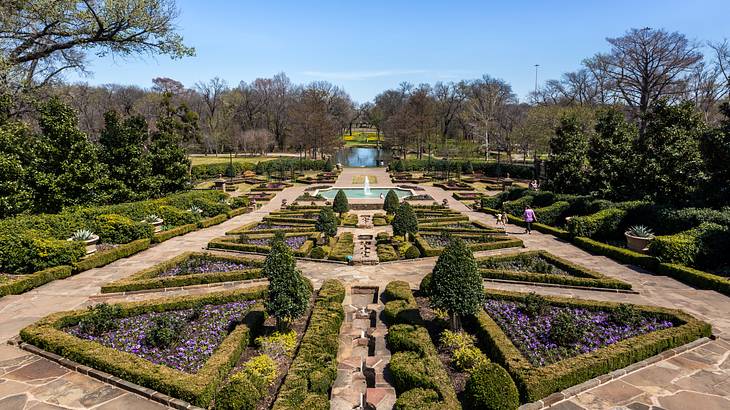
{"x": 87, "y": 237}
{"x": 195, "y": 211}
{"x": 638, "y": 238}
{"x": 155, "y": 221}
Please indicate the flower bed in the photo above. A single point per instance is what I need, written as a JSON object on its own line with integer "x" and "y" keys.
{"x": 616, "y": 336}
{"x": 433, "y": 244}
{"x": 271, "y": 186}
{"x": 222, "y": 340}
{"x": 419, "y": 197}
{"x": 300, "y": 243}
{"x": 454, "y": 186}
{"x": 462, "y": 196}
{"x": 269, "y": 226}
{"x": 260, "y": 196}
{"x": 543, "y": 267}
{"x": 190, "y": 268}
{"x": 458, "y": 227}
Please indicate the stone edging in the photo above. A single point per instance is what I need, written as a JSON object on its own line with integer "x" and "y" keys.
{"x": 177, "y": 288}
{"x": 597, "y": 381}
{"x": 107, "y": 378}
{"x": 556, "y": 285}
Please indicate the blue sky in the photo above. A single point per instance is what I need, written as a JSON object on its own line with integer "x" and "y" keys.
{"x": 369, "y": 46}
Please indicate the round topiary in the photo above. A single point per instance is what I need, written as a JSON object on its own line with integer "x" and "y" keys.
{"x": 490, "y": 387}
{"x": 425, "y": 286}
{"x": 316, "y": 402}
{"x": 418, "y": 399}
{"x": 405, "y": 220}
{"x": 240, "y": 393}
{"x": 412, "y": 253}
{"x": 408, "y": 370}
{"x": 327, "y": 222}
{"x": 318, "y": 252}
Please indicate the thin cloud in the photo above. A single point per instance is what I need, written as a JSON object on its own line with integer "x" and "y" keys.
{"x": 361, "y": 75}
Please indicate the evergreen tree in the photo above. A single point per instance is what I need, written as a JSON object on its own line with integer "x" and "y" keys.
{"x": 715, "y": 147}
{"x": 340, "y": 204}
{"x": 170, "y": 164}
{"x": 568, "y": 157}
{"x": 328, "y": 165}
{"x": 405, "y": 221}
{"x": 456, "y": 285}
{"x": 391, "y": 203}
{"x": 611, "y": 156}
{"x": 123, "y": 153}
{"x": 672, "y": 168}
{"x": 15, "y": 194}
{"x": 327, "y": 222}
{"x": 65, "y": 169}
{"x": 288, "y": 294}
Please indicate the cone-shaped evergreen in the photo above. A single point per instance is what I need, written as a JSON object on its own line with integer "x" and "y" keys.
{"x": 340, "y": 204}
{"x": 391, "y": 202}
{"x": 288, "y": 291}
{"x": 405, "y": 221}
{"x": 327, "y": 222}
{"x": 456, "y": 285}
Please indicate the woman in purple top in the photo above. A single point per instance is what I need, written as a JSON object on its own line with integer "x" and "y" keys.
{"x": 529, "y": 217}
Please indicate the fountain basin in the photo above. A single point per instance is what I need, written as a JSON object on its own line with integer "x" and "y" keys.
{"x": 359, "y": 193}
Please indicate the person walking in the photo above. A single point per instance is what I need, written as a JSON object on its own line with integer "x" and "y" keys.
{"x": 529, "y": 216}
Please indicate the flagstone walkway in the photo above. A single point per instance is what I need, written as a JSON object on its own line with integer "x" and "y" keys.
{"x": 699, "y": 378}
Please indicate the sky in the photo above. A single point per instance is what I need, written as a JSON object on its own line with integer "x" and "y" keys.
{"x": 369, "y": 46}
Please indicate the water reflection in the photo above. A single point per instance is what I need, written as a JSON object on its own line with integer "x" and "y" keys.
{"x": 363, "y": 157}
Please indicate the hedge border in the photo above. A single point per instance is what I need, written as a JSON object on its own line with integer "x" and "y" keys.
{"x": 321, "y": 339}
{"x": 227, "y": 243}
{"x": 535, "y": 383}
{"x": 103, "y": 258}
{"x": 579, "y": 275}
{"x": 198, "y": 388}
{"x": 148, "y": 279}
{"x": 500, "y": 243}
{"x": 27, "y": 282}
{"x": 247, "y": 229}
{"x": 547, "y": 229}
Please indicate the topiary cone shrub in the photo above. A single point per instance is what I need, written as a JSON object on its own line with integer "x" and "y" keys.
{"x": 391, "y": 203}
{"x": 490, "y": 387}
{"x": 405, "y": 221}
{"x": 340, "y": 204}
{"x": 288, "y": 290}
{"x": 456, "y": 285}
{"x": 327, "y": 222}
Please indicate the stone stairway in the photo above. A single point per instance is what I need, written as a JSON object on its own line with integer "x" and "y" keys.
{"x": 364, "y": 252}
{"x": 362, "y": 356}
{"x": 365, "y": 221}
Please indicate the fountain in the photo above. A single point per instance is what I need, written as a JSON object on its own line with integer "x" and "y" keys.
{"x": 366, "y": 189}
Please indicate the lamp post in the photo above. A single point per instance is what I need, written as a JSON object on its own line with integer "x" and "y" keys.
{"x": 536, "y": 66}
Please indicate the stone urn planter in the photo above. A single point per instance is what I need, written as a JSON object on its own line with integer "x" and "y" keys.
{"x": 89, "y": 243}
{"x": 156, "y": 223}
{"x": 637, "y": 243}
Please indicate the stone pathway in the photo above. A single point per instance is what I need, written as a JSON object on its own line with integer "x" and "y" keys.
{"x": 699, "y": 378}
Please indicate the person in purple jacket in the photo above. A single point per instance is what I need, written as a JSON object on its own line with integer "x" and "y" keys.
{"x": 529, "y": 217}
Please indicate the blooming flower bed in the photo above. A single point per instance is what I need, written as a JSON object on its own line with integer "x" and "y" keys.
{"x": 531, "y": 335}
{"x": 204, "y": 264}
{"x": 440, "y": 241}
{"x": 293, "y": 242}
{"x": 266, "y": 226}
{"x": 532, "y": 263}
{"x": 202, "y": 333}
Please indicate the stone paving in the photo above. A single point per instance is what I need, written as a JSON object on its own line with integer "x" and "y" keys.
{"x": 696, "y": 379}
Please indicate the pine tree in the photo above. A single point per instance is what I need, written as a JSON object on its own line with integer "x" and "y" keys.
{"x": 340, "y": 204}
{"x": 456, "y": 285}
{"x": 391, "y": 203}
{"x": 405, "y": 221}
{"x": 327, "y": 222}
{"x": 288, "y": 290}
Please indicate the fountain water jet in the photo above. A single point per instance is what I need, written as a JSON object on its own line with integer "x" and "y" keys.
{"x": 366, "y": 188}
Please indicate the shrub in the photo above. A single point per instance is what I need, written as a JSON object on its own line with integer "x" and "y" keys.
{"x": 409, "y": 371}
{"x": 100, "y": 319}
{"x": 327, "y": 222}
{"x": 412, "y": 253}
{"x": 564, "y": 330}
{"x": 241, "y": 393}
{"x": 318, "y": 252}
{"x": 418, "y": 399}
{"x": 340, "y": 204}
{"x": 344, "y": 247}
{"x": 278, "y": 343}
{"x": 30, "y": 251}
{"x": 603, "y": 224}
{"x": 120, "y": 229}
{"x": 535, "y": 305}
{"x": 288, "y": 291}
{"x": 27, "y": 282}
{"x": 517, "y": 206}
{"x": 391, "y": 203}
{"x": 490, "y": 387}
{"x": 387, "y": 253}
{"x": 425, "y": 286}
{"x": 405, "y": 220}
{"x": 553, "y": 214}
{"x": 262, "y": 367}
{"x": 165, "y": 331}
{"x": 469, "y": 357}
{"x": 681, "y": 248}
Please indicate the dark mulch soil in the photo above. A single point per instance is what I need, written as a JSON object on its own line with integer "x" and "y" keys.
{"x": 299, "y": 326}
{"x": 435, "y": 326}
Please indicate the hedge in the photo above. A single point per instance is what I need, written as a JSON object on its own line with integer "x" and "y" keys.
{"x": 248, "y": 228}
{"x": 535, "y": 383}
{"x": 387, "y": 253}
{"x": 198, "y": 388}
{"x": 704, "y": 246}
{"x": 345, "y": 247}
{"x": 316, "y": 358}
{"x": 171, "y": 233}
{"x": 30, "y": 281}
{"x": 577, "y": 275}
{"x": 415, "y": 363}
{"x": 215, "y": 220}
{"x": 101, "y": 258}
{"x": 553, "y": 214}
{"x": 487, "y": 168}
{"x": 603, "y": 224}
{"x": 150, "y": 279}
{"x": 497, "y": 243}
{"x": 400, "y": 305}
{"x": 614, "y": 252}
{"x": 206, "y": 171}
{"x": 231, "y": 243}
{"x": 476, "y": 227}
{"x": 696, "y": 278}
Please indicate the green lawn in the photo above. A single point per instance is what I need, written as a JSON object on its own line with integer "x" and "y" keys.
{"x": 223, "y": 159}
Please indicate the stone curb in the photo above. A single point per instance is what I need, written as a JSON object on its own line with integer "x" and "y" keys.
{"x": 555, "y": 285}
{"x": 178, "y": 288}
{"x": 587, "y": 385}
{"x": 107, "y": 378}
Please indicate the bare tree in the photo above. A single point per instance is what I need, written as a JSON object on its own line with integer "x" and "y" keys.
{"x": 215, "y": 113}
{"x": 721, "y": 60}
{"x": 487, "y": 98}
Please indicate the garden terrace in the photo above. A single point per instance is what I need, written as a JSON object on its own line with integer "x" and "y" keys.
{"x": 395, "y": 248}
{"x": 271, "y": 227}
{"x": 300, "y": 243}
{"x": 432, "y": 244}
{"x": 190, "y": 268}
{"x": 454, "y": 186}
{"x": 548, "y": 344}
{"x": 260, "y": 196}
{"x": 317, "y": 180}
{"x": 271, "y": 186}
{"x": 189, "y": 363}
{"x": 307, "y": 197}
{"x": 467, "y": 196}
{"x": 543, "y": 267}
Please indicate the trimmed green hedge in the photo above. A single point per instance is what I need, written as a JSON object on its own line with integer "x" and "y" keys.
{"x": 30, "y": 281}
{"x": 101, "y": 258}
{"x": 603, "y": 224}
{"x": 696, "y": 278}
{"x": 315, "y": 365}
{"x": 387, "y": 253}
{"x": 415, "y": 363}
{"x": 232, "y": 243}
{"x": 614, "y": 252}
{"x": 535, "y": 383}
{"x": 214, "y": 220}
{"x": 553, "y": 214}
{"x": 249, "y": 226}
{"x": 206, "y": 171}
{"x": 198, "y": 388}
{"x": 345, "y": 247}
{"x": 171, "y": 233}
{"x": 150, "y": 279}
{"x": 497, "y": 243}
{"x": 550, "y": 230}
{"x": 577, "y": 275}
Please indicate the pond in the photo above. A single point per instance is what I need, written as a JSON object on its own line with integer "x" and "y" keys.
{"x": 359, "y": 193}
{"x": 363, "y": 157}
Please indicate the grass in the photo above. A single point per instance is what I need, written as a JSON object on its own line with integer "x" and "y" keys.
{"x": 224, "y": 159}
{"x": 360, "y": 179}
